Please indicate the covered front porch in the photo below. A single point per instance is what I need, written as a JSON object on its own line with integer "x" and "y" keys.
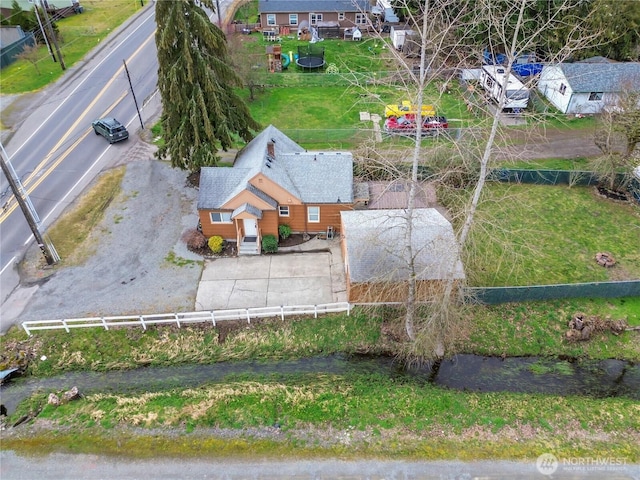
{"x": 248, "y": 234}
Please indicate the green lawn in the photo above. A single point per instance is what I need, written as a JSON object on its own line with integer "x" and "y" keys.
{"x": 537, "y": 235}
{"x": 527, "y": 235}
{"x": 538, "y": 328}
{"x": 349, "y": 416}
{"x": 571, "y": 164}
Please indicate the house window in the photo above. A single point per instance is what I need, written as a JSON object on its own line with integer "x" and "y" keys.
{"x": 271, "y": 19}
{"x": 595, "y": 96}
{"x": 314, "y": 18}
{"x": 220, "y": 217}
{"x": 361, "y": 18}
{"x": 293, "y": 19}
{"x": 340, "y": 16}
{"x": 313, "y": 214}
{"x": 283, "y": 210}
{"x": 563, "y": 88}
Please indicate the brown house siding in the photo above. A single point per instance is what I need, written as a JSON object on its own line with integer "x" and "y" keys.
{"x": 297, "y": 220}
{"x": 329, "y": 217}
{"x": 268, "y": 224}
{"x": 274, "y": 190}
{"x": 225, "y": 230}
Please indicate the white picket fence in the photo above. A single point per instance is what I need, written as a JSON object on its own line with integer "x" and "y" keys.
{"x": 179, "y": 319}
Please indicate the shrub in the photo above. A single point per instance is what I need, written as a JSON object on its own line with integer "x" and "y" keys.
{"x": 195, "y": 240}
{"x": 269, "y": 244}
{"x": 284, "y": 231}
{"x": 215, "y": 243}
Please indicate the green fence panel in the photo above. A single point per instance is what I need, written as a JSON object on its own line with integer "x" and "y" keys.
{"x": 496, "y": 295}
{"x": 544, "y": 177}
{"x": 548, "y": 177}
{"x": 9, "y": 54}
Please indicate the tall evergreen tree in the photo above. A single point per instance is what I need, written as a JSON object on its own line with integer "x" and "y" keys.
{"x": 201, "y": 111}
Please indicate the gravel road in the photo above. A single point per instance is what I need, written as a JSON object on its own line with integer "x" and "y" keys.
{"x": 62, "y": 466}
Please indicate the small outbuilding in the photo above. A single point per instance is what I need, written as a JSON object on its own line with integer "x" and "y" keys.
{"x": 585, "y": 87}
{"x": 374, "y": 257}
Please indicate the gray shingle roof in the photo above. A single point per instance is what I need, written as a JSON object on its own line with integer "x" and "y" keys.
{"x": 261, "y": 195}
{"x": 247, "y": 207}
{"x": 374, "y": 239}
{"x": 293, "y": 6}
{"x": 312, "y": 177}
{"x": 217, "y": 184}
{"x": 602, "y": 77}
{"x": 320, "y": 177}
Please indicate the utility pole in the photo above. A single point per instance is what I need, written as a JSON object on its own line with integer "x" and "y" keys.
{"x": 219, "y": 14}
{"x": 21, "y": 196}
{"x": 54, "y": 40}
{"x": 44, "y": 35}
{"x": 133, "y": 93}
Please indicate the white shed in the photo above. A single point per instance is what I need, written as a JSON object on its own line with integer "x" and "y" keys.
{"x": 586, "y": 88}
{"x": 399, "y": 36}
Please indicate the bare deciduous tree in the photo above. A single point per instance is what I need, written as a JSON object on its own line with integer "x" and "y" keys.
{"x": 31, "y": 54}
{"x": 448, "y": 34}
{"x": 248, "y": 67}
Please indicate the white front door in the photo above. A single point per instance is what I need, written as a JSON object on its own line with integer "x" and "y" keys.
{"x": 250, "y": 227}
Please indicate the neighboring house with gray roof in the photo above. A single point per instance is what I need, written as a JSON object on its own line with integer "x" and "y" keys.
{"x": 586, "y": 88}
{"x": 274, "y": 181}
{"x": 372, "y": 248}
{"x": 12, "y": 43}
{"x": 319, "y": 13}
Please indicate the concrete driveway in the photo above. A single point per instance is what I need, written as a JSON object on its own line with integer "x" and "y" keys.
{"x": 309, "y": 278}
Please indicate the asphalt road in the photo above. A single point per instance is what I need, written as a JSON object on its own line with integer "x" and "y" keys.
{"x": 53, "y": 149}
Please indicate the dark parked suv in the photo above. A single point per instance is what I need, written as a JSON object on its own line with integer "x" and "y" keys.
{"x": 111, "y": 129}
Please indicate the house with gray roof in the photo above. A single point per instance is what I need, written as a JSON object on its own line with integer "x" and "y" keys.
{"x": 587, "y": 88}
{"x": 274, "y": 181}
{"x": 298, "y": 14}
{"x": 375, "y": 264}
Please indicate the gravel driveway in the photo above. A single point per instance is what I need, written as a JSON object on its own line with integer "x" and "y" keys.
{"x": 140, "y": 264}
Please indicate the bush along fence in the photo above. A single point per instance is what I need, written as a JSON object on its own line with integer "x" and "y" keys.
{"x": 208, "y": 316}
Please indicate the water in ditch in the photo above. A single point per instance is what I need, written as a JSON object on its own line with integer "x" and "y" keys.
{"x": 605, "y": 378}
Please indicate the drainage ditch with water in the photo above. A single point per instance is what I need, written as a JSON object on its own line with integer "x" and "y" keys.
{"x": 604, "y": 378}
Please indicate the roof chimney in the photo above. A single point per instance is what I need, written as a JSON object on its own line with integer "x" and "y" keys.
{"x": 271, "y": 149}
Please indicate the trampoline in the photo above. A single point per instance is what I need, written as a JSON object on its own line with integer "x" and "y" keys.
{"x": 310, "y": 57}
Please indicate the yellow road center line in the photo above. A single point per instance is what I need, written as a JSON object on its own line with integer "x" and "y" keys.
{"x": 8, "y": 209}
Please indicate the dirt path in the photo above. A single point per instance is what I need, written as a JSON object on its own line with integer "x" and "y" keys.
{"x": 543, "y": 142}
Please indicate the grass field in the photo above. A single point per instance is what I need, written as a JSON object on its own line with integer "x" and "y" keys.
{"x": 379, "y": 415}
{"x": 538, "y": 235}
{"x": 349, "y": 416}
{"x": 523, "y": 329}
